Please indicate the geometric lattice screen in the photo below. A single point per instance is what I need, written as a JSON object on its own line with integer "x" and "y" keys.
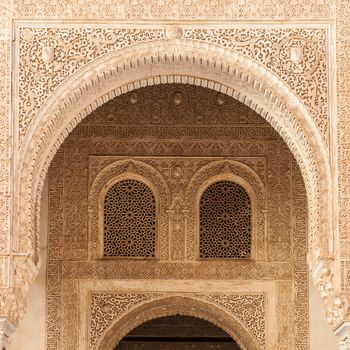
{"x": 129, "y": 220}
{"x": 225, "y": 221}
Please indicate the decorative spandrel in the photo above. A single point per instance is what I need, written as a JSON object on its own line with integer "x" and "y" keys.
{"x": 225, "y": 221}
{"x": 129, "y": 220}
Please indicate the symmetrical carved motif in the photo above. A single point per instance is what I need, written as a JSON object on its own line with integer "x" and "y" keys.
{"x": 190, "y": 10}
{"x": 295, "y": 130}
{"x": 233, "y": 171}
{"x": 224, "y": 221}
{"x": 201, "y": 270}
{"x": 105, "y": 307}
{"x": 179, "y": 179}
{"x": 102, "y": 171}
{"x": 129, "y": 220}
{"x": 298, "y": 56}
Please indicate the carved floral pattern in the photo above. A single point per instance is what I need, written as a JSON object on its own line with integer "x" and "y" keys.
{"x": 177, "y": 178}
{"x": 316, "y": 9}
{"x": 49, "y": 55}
{"x": 106, "y": 307}
{"x": 190, "y": 10}
{"x": 298, "y": 56}
{"x": 250, "y": 309}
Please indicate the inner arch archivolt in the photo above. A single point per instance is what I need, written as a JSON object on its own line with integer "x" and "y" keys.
{"x": 180, "y": 305}
{"x": 175, "y": 61}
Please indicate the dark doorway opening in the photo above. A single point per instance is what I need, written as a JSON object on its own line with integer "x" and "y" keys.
{"x": 177, "y": 333}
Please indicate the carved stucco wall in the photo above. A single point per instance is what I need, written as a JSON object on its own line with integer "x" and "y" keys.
{"x": 316, "y": 181}
{"x": 295, "y": 55}
{"x": 177, "y": 147}
{"x": 334, "y": 12}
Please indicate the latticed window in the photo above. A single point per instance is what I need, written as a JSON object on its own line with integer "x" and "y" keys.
{"x": 225, "y": 221}
{"x": 129, "y": 220}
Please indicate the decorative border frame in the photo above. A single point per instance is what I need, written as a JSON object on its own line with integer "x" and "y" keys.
{"x": 250, "y": 181}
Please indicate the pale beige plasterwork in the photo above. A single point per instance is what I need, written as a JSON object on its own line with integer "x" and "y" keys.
{"x": 102, "y": 135}
{"x": 105, "y": 171}
{"x": 249, "y": 180}
{"x": 47, "y": 56}
{"x": 112, "y": 173}
{"x": 197, "y": 298}
{"x": 177, "y": 10}
{"x": 275, "y": 9}
{"x": 266, "y": 93}
{"x": 183, "y": 305}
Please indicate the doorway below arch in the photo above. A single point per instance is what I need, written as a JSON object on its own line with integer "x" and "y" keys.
{"x": 175, "y": 333}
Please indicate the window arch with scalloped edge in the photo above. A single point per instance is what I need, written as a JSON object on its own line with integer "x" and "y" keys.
{"x": 129, "y": 220}
{"x": 225, "y": 213}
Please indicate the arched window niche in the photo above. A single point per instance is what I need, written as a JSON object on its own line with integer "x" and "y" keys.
{"x": 225, "y": 218}
{"x": 128, "y": 215}
{"x": 226, "y": 210}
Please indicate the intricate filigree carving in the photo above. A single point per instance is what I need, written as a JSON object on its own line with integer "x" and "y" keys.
{"x": 279, "y": 220}
{"x": 298, "y": 56}
{"x": 300, "y": 269}
{"x": 249, "y": 308}
{"x": 106, "y": 169}
{"x": 129, "y": 220}
{"x": 55, "y": 256}
{"x": 178, "y": 179}
{"x": 295, "y": 127}
{"x": 190, "y": 10}
{"x": 5, "y": 145}
{"x": 226, "y": 170}
{"x": 73, "y": 48}
{"x": 106, "y": 307}
{"x": 225, "y": 221}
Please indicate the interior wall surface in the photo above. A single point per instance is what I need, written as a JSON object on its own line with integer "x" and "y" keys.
{"x": 176, "y": 136}
{"x": 34, "y": 322}
{"x": 333, "y": 280}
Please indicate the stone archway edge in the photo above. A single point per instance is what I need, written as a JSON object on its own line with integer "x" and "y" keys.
{"x": 182, "y": 61}
{"x": 160, "y": 306}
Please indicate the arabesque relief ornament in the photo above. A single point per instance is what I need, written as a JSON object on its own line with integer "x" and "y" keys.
{"x": 49, "y": 55}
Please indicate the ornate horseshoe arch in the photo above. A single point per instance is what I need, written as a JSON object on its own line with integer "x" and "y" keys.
{"x": 178, "y": 305}
{"x": 175, "y": 61}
